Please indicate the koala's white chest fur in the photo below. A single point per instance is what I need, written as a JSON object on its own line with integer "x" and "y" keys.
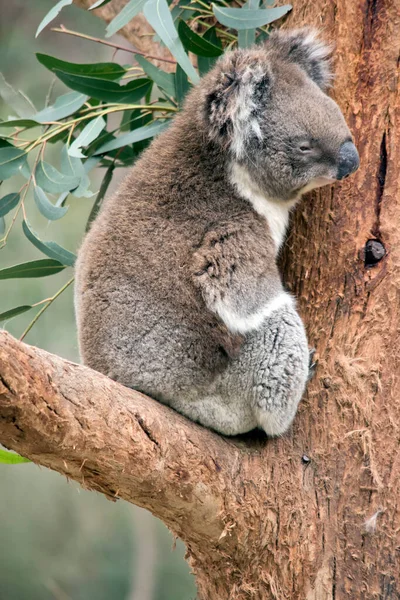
{"x": 276, "y": 213}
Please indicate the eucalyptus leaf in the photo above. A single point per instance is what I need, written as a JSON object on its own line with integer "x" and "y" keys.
{"x": 100, "y": 196}
{"x": 11, "y": 160}
{"x": 262, "y": 37}
{"x": 205, "y": 63}
{"x": 52, "y": 181}
{"x": 61, "y": 199}
{"x": 98, "y": 4}
{"x": 136, "y": 135}
{"x": 13, "y": 312}
{"x": 108, "y": 70}
{"x": 195, "y": 43}
{"x": 88, "y": 134}
{"x": 16, "y": 100}
{"x": 247, "y": 37}
{"x": 165, "y": 81}
{"x": 51, "y": 15}
{"x": 70, "y": 165}
{"x": 51, "y": 249}
{"x": 247, "y": 18}
{"x": 47, "y": 209}
{"x": 180, "y": 10}
{"x": 158, "y": 15}
{"x": 10, "y": 458}
{"x": 35, "y": 268}
{"x": 25, "y": 170}
{"x": 130, "y": 10}
{"x": 26, "y": 123}
{"x": 8, "y": 202}
{"x": 64, "y": 106}
{"x": 182, "y": 85}
{"x": 106, "y": 90}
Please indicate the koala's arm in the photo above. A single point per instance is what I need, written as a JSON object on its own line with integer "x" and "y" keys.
{"x": 236, "y": 272}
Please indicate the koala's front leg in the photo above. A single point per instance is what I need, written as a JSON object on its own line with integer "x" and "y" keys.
{"x": 236, "y": 272}
{"x": 280, "y": 365}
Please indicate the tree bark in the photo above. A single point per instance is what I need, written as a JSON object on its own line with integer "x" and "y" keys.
{"x": 313, "y": 515}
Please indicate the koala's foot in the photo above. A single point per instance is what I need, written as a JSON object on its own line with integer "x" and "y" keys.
{"x": 281, "y": 374}
{"x": 312, "y": 365}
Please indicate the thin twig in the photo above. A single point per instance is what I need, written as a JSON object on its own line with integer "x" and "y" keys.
{"x": 45, "y": 307}
{"x": 24, "y": 190}
{"x": 63, "y": 29}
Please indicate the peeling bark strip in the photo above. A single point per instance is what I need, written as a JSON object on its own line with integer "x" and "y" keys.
{"x": 314, "y": 515}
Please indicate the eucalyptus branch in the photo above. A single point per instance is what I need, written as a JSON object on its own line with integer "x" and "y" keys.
{"x": 45, "y": 307}
{"x": 112, "y": 109}
{"x": 63, "y": 29}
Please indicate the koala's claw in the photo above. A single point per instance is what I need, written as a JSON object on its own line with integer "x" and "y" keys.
{"x": 312, "y": 365}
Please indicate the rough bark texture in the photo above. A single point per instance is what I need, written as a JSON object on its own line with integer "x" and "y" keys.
{"x": 314, "y": 515}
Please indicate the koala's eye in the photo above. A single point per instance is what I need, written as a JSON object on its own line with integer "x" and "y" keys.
{"x": 305, "y": 147}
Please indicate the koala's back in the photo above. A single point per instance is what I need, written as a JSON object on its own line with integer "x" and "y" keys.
{"x": 140, "y": 319}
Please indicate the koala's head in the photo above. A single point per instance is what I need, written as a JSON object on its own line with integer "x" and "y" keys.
{"x": 267, "y": 108}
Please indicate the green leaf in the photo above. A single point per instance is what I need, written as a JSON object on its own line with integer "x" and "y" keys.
{"x": 105, "y": 90}
{"x": 88, "y": 134}
{"x": 247, "y": 18}
{"x": 35, "y": 268}
{"x": 27, "y": 123}
{"x": 11, "y": 160}
{"x": 8, "y": 202}
{"x": 158, "y": 15}
{"x": 2, "y": 226}
{"x": 9, "y": 314}
{"x": 182, "y": 85}
{"x": 48, "y": 210}
{"x": 100, "y": 196}
{"x": 96, "y": 70}
{"x": 51, "y": 15}
{"x": 51, "y": 249}
{"x": 262, "y": 37}
{"x": 186, "y": 14}
{"x": 206, "y": 63}
{"x": 16, "y": 100}
{"x": 247, "y": 37}
{"x": 136, "y": 135}
{"x": 9, "y": 458}
{"x": 70, "y": 165}
{"x": 195, "y": 43}
{"x": 64, "y": 106}
{"x": 165, "y": 81}
{"x": 52, "y": 181}
{"x": 98, "y": 4}
{"x": 129, "y": 11}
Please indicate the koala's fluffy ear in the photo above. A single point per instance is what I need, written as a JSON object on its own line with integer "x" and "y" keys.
{"x": 303, "y": 47}
{"x": 235, "y": 95}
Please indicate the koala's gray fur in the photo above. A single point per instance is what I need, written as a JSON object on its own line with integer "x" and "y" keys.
{"x": 178, "y": 293}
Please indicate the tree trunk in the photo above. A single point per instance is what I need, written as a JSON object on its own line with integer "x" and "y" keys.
{"x": 313, "y": 515}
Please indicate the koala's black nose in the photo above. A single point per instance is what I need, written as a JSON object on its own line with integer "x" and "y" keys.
{"x": 349, "y": 161}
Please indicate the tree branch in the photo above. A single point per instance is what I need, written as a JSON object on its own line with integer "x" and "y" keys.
{"x": 114, "y": 440}
{"x": 138, "y": 31}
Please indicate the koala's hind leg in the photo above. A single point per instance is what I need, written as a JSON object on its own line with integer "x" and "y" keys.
{"x": 278, "y": 355}
{"x": 262, "y": 386}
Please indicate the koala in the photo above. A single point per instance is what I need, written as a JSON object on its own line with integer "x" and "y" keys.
{"x": 178, "y": 293}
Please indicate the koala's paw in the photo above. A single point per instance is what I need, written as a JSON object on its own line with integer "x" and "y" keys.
{"x": 282, "y": 372}
{"x": 312, "y": 365}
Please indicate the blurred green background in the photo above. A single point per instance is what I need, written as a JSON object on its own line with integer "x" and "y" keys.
{"x": 58, "y": 541}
